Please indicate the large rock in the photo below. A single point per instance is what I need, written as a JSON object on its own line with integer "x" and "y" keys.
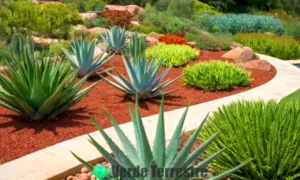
{"x": 89, "y": 16}
{"x": 241, "y": 54}
{"x": 153, "y": 35}
{"x": 132, "y": 9}
{"x": 256, "y": 64}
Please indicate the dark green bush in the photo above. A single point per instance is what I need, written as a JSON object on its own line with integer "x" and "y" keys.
{"x": 86, "y": 5}
{"x": 282, "y": 47}
{"x": 216, "y": 75}
{"x": 182, "y": 8}
{"x": 267, "y": 131}
{"x": 243, "y": 23}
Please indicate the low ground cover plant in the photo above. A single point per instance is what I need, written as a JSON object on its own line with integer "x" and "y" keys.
{"x": 215, "y": 75}
{"x": 282, "y": 47}
{"x": 172, "y": 55}
{"x": 266, "y": 131}
{"x": 164, "y": 156}
{"x": 36, "y": 87}
{"x": 243, "y": 23}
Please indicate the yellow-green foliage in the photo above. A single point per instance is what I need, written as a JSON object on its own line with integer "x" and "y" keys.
{"x": 216, "y": 75}
{"x": 282, "y": 47}
{"x": 201, "y": 9}
{"x": 172, "y": 55}
{"x": 267, "y": 131}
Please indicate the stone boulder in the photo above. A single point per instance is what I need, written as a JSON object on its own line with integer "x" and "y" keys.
{"x": 153, "y": 35}
{"x": 89, "y": 16}
{"x": 97, "y": 30}
{"x": 132, "y": 9}
{"x": 256, "y": 64}
{"x": 241, "y": 54}
{"x": 151, "y": 41}
{"x": 192, "y": 44}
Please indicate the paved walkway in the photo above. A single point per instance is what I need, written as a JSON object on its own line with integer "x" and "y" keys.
{"x": 51, "y": 161}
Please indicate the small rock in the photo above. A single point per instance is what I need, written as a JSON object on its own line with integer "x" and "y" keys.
{"x": 192, "y": 44}
{"x": 132, "y": 9}
{"x": 97, "y": 30}
{"x": 45, "y": 41}
{"x": 89, "y": 16}
{"x": 84, "y": 170}
{"x": 233, "y": 54}
{"x": 153, "y": 35}
{"x": 71, "y": 178}
{"x": 136, "y": 23}
{"x": 151, "y": 41}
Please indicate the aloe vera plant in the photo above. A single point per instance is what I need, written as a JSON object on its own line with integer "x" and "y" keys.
{"x": 83, "y": 56}
{"x": 115, "y": 38}
{"x": 161, "y": 155}
{"x": 144, "y": 79}
{"x": 36, "y": 87}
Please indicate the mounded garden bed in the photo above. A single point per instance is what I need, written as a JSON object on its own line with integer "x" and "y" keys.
{"x": 19, "y": 137}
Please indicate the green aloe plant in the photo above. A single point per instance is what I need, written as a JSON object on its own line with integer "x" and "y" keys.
{"x": 160, "y": 155}
{"x": 144, "y": 79}
{"x": 36, "y": 87}
{"x": 115, "y": 38}
{"x": 83, "y": 56}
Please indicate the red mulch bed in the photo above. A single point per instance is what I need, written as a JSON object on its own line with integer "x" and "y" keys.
{"x": 20, "y": 137}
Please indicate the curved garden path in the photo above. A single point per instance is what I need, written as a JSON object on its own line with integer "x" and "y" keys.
{"x": 51, "y": 161}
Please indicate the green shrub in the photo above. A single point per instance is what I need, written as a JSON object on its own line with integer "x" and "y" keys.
{"x": 162, "y": 5}
{"x": 49, "y": 20}
{"x": 282, "y": 47}
{"x": 266, "y": 131}
{"x": 56, "y": 49}
{"x": 216, "y": 75}
{"x": 181, "y": 8}
{"x": 202, "y": 9}
{"x": 172, "y": 55}
{"x": 148, "y": 28}
{"x": 86, "y": 5}
{"x": 5, "y": 18}
{"x": 243, "y": 23}
{"x": 99, "y": 22}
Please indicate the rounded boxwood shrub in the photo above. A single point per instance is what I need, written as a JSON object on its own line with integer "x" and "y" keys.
{"x": 216, "y": 75}
{"x": 171, "y": 54}
{"x": 267, "y": 131}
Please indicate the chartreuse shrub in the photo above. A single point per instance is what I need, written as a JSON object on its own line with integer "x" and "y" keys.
{"x": 171, "y": 54}
{"x": 282, "y": 47}
{"x": 202, "y": 9}
{"x": 243, "y": 23}
{"x": 266, "y": 131}
{"x": 216, "y": 75}
{"x": 160, "y": 156}
{"x": 38, "y": 88}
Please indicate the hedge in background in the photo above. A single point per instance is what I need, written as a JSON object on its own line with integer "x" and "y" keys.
{"x": 243, "y": 23}
{"x": 216, "y": 75}
{"x": 282, "y": 47}
{"x": 267, "y": 131}
{"x": 172, "y": 55}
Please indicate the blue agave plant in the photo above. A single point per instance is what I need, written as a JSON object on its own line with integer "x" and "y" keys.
{"x": 82, "y": 57}
{"x": 115, "y": 38}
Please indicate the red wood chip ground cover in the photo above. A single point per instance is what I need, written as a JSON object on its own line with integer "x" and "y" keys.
{"x": 19, "y": 137}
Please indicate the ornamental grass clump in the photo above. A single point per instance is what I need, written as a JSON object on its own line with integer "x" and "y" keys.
{"x": 38, "y": 88}
{"x": 268, "y": 131}
{"x": 82, "y": 58}
{"x": 282, "y": 47}
{"x": 160, "y": 156}
{"x": 172, "y": 55}
{"x": 216, "y": 75}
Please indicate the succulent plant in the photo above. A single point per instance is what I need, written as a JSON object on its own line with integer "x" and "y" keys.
{"x": 115, "y": 38}
{"x": 36, "y": 87}
{"x": 143, "y": 78}
{"x": 136, "y": 47}
{"x": 160, "y": 155}
{"x": 83, "y": 56}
